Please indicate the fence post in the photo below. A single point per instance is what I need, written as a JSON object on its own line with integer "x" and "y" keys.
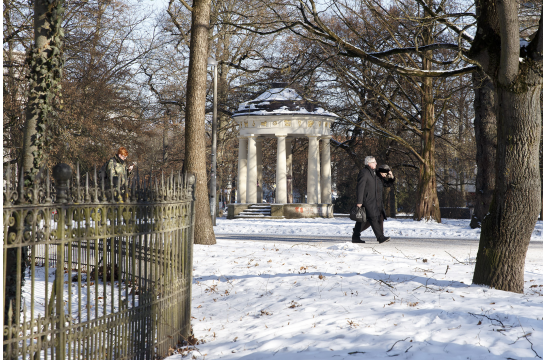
{"x": 61, "y": 173}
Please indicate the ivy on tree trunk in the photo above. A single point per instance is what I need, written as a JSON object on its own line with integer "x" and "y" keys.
{"x": 45, "y": 62}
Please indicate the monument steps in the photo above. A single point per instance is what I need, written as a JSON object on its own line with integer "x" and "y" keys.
{"x": 257, "y": 212}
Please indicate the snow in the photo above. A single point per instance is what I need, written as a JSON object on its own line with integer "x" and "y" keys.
{"x": 407, "y": 228}
{"x": 279, "y": 94}
{"x": 283, "y": 111}
{"x": 408, "y": 298}
{"x": 323, "y": 300}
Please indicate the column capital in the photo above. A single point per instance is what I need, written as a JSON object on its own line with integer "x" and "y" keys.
{"x": 253, "y": 136}
{"x": 326, "y": 137}
{"x": 241, "y": 137}
{"x": 313, "y": 136}
{"x": 281, "y": 135}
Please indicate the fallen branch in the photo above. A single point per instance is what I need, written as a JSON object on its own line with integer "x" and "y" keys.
{"x": 385, "y": 283}
{"x": 475, "y": 315}
{"x": 405, "y": 255}
{"x": 526, "y": 337}
{"x": 463, "y": 263}
{"x": 396, "y": 343}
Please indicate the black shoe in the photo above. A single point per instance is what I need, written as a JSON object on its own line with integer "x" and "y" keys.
{"x": 356, "y": 238}
{"x": 383, "y": 240}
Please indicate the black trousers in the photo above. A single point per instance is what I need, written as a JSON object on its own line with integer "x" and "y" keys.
{"x": 376, "y": 223}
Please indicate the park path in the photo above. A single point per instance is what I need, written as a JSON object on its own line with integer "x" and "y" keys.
{"x": 460, "y": 248}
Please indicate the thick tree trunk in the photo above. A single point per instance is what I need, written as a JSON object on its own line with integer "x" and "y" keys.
{"x": 45, "y": 72}
{"x": 517, "y": 73}
{"x": 486, "y": 138}
{"x": 195, "y": 146}
{"x": 427, "y": 202}
{"x": 506, "y": 231}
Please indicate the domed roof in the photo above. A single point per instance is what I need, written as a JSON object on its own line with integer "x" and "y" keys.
{"x": 280, "y": 100}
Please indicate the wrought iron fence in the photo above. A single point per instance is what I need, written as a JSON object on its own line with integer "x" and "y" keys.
{"x": 96, "y": 272}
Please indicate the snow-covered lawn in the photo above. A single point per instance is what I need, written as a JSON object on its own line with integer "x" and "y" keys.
{"x": 267, "y": 300}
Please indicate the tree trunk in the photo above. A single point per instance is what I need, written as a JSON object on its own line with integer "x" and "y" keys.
{"x": 45, "y": 62}
{"x": 517, "y": 73}
{"x": 195, "y": 146}
{"x": 506, "y": 231}
{"x": 166, "y": 125}
{"x": 427, "y": 202}
{"x": 486, "y": 139}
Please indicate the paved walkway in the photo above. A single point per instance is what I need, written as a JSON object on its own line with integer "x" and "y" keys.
{"x": 459, "y": 248}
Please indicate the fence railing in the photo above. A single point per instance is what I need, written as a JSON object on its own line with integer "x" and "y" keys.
{"x": 95, "y": 272}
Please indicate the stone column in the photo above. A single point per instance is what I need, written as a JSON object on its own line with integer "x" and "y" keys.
{"x": 251, "y": 184}
{"x": 259, "y": 155}
{"x": 325, "y": 169}
{"x": 281, "y": 184}
{"x": 289, "y": 169}
{"x": 242, "y": 169}
{"x": 313, "y": 175}
{"x": 319, "y": 182}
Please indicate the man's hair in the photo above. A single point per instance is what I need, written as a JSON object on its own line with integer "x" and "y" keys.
{"x": 122, "y": 151}
{"x": 368, "y": 159}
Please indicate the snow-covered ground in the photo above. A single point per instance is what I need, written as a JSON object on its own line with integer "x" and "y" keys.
{"x": 325, "y": 300}
{"x": 448, "y": 228}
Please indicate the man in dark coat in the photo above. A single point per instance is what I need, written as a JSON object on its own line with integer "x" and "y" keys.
{"x": 369, "y": 195}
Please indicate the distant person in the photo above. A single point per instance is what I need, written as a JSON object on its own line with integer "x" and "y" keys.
{"x": 369, "y": 195}
{"x": 117, "y": 168}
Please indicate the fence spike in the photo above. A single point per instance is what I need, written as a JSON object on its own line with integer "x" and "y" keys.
{"x": 87, "y": 198}
{"x": 48, "y": 199}
{"x": 7, "y": 198}
{"x": 95, "y": 195}
{"x": 21, "y": 186}
{"x": 133, "y": 188}
{"x": 102, "y": 184}
{"x": 78, "y": 181}
{"x": 8, "y": 179}
{"x": 162, "y": 181}
{"x": 10, "y": 312}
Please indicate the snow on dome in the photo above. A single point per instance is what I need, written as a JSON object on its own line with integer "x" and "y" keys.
{"x": 280, "y": 100}
{"x": 279, "y": 94}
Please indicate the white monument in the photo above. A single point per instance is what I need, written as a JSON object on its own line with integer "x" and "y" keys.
{"x": 282, "y": 113}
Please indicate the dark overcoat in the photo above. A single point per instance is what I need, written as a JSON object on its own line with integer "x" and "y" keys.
{"x": 369, "y": 191}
